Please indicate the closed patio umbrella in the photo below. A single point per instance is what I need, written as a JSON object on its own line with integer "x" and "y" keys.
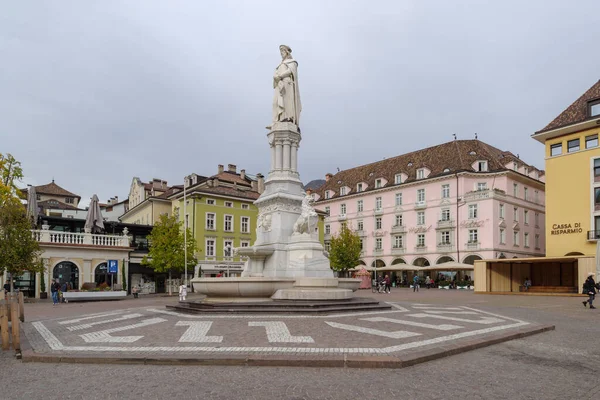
{"x": 93, "y": 221}
{"x": 32, "y": 207}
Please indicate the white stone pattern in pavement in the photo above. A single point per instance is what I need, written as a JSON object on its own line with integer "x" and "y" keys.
{"x": 278, "y": 332}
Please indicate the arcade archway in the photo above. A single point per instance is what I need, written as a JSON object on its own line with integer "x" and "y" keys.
{"x": 66, "y": 272}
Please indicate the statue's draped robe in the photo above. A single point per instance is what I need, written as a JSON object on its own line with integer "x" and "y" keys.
{"x": 286, "y": 100}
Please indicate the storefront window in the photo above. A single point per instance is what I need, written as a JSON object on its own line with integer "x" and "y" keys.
{"x": 67, "y": 272}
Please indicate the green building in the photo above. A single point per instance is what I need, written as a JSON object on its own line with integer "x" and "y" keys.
{"x": 221, "y": 215}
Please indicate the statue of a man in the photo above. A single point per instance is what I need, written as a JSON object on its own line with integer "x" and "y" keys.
{"x": 286, "y": 100}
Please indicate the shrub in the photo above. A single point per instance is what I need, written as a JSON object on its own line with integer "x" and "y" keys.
{"x": 88, "y": 286}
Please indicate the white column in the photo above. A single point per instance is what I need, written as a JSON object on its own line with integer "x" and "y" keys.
{"x": 273, "y": 157}
{"x": 294, "y": 157}
{"x": 278, "y": 155}
{"x": 286, "y": 155}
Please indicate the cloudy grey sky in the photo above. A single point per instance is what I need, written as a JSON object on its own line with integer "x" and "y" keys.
{"x": 94, "y": 93}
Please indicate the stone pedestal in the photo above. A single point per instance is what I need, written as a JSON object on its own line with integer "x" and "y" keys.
{"x": 278, "y": 249}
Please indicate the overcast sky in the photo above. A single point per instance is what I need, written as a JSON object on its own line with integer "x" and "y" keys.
{"x": 93, "y": 93}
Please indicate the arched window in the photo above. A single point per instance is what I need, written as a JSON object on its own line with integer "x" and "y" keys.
{"x": 66, "y": 272}
{"x": 101, "y": 275}
{"x": 444, "y": 259}
{"x": 574, "y": 253}
{"x": 378, "y": 264}
{"x": 421, "y": 262}
{"x": 471, "y": 259}
{"x": 398, "y": 261}
{"x": 361, "y": 262}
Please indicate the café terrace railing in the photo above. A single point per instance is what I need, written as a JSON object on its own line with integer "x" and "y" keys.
{"x": 57, "y": 237}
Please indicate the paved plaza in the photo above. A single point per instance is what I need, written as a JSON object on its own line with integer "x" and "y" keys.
{"x": 561, "y": 363}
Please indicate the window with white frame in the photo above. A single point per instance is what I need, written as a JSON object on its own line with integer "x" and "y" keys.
{"x": 245, "y": 225}
{"x": 377, "y": 183}
{"x": 526, "y": 217}
{"x": 327, "y": 194}
{"x": 210, "y": 221}
{"x": 421, "y": 240}
{"x": 515, "y": 166}
{"x": 398, "y": 199}
{"x": 421, "y": 196}
{"x": 526, "y": 193}
{"x": 378, "y": 204}
{"x": 327, "y": 246}
{"x": 227, "y": 248}
{"x": 360, "y": 206}
{"x": 473, "y": 235}
{"x": 245, "y": 206}
{"x": 537, "y": 220}
{"x": 516, "y": 238}
{"x": 328, "y": 229}
{"x": 502, "y": 236}
{"x": 421, "y": 218}
{"x": 378, "y": 244}
{"x": 445, "y": 191}
{"x": 482, "y": 166}
{"x": 210, "y": 247}
{"x": 420, "y": 173}
{"x": 398, "y": 220}
{"x": 516, "y": 214}
{"x": 343, "y": 191}
{"x": 228, "y": 226}
{"x": 445, "y": 216}
{"x": 244, "y": 243}
{"x": 398, "y": 242}
{"x": 327, "y": 210}
{"x": 445, "y": 237}
{"x": 229, "y": 204}
{"x": 501, "y": 211}
{"x": 362, "y": 244}
{"x": 526, "y": 239}
{"x": 360, "y": 226}
{"x": 342, "y": 209}
{"x": 378, "y": 223}
{"x": 591, "y": 141}
{"x": 397, "y": 179}
{"x": 481, "y": 186}
{"x": 537, "y": 241}
{"x": 359, "y": 187}
{"x": 515, "y": 190}
{"x": 472, "y": 211}
{"x": 210, "y": 202}
{"x": 535, "y": 196}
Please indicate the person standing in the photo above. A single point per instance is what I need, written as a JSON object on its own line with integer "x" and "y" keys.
{"x": 388, "y": 284}
{"x": 182, "y": 292}
{"x": 589, "y": 288}
{"x": 416, "y": 283}
{"x": 54, "y": 288}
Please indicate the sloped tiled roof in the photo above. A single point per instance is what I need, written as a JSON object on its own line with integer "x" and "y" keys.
{"x": 232, "y": 177}
{"x": 172, "y": 190}
{"x": 53, "y": 189}
{"x": 229, "y": 191}
{"x": 576, "y": 112}
{"x": 456, "y": 156}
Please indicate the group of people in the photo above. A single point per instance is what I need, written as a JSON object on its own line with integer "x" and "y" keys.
{"x": 57, "y": 290}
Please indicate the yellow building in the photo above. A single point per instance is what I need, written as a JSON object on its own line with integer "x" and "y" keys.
{"x": 573, "y": 177}
{"x": 572, "y": 208}
{"x": 148, "y": 201}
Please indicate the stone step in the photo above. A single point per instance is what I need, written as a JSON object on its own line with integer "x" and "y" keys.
{"x": 240, "y": 309}
{"x": 282, "y": 303}
{"x": 553, "y": 289}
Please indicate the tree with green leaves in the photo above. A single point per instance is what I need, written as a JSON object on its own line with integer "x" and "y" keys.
{"x": 345, "y": 248}
{"x": 10, "y": 173}
{"x": 19, "y": 251}
{"x": 166, "y": 242}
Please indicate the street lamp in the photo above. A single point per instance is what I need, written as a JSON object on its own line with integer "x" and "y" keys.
{"x": 185, "y": 223}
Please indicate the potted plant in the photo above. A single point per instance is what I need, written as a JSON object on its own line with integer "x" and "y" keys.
{"x": 43, "y": 294}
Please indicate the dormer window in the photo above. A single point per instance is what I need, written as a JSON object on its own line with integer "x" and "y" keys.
{"x": 420, "y": 173}
{"x": 515, "y": 166}
{"x": 482, "y": 166}
{"x": 359, "y": 187}
{"x": 594, "y": 108}
{"x": 327, "y": 195}
{"x": 377, "y": 183}
{"x": 398, "y": 179}
{"x": 472, "y": 153}
{"x": 343, "y": 191}
{"x": 446, "y": 169}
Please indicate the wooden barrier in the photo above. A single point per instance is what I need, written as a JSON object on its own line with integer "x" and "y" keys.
{"x": 12, "y": 313}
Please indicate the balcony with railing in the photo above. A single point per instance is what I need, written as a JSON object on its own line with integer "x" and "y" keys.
{"x": 398, "y": 250}
{"x": 377, "y": 251}
{"x": 445, "y": 223}
{"x": 445, "y": 247}
{"x": 420, "y": 249}
{"x": 46, "y": 236}
{"x": 472, "y": 245}
{"x": 420, "y": 205}
{"x": 593, "y": 236}
{"x": 398, "y": 229}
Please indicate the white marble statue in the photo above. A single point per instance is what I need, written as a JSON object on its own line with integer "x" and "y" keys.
{"x": 303, "y": 224}
{"x": 286, "y": 99}
{"x": 264, "y": 223}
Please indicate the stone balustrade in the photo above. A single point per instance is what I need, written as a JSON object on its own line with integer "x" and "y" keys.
{"x": 72, "y": 238}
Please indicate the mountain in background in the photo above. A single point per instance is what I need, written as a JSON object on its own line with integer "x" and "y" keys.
{"x": 314, "y": 184}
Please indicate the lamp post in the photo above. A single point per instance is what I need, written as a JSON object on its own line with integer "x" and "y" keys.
{"x": 185, "y": 223}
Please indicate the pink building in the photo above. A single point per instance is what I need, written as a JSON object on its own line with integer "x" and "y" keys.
{"x": 460, "y": 201}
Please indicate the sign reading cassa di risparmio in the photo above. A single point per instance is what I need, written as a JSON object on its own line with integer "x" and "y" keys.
{"x": 565, "y": 229}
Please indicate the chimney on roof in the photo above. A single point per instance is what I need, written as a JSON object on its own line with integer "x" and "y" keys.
{"x": 116, "y": 199}
{"x": 260, "y": 183}
{"x": 253, "y": 185}
{"x": 221, "y": 168}
{"x": 243, "y": 173}
{"x": 328, "y": 176}
{"x": 232, "y": 168}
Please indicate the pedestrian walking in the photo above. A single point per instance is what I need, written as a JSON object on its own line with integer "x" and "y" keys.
{"x": 388, "y": 284}
{"x": 416, "y": 283}
{"x": 589, "y": 288}
{"x": 182, "y": 292}
{"x": 54, "y": 289}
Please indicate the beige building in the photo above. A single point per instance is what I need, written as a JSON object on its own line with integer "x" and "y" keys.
{"x": 148, "y": 201}
{"x": 53, "y": 199}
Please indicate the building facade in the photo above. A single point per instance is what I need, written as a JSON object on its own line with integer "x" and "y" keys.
{"x": 148, "y": 201}
{"x": 573, "y": 168}
{"x": 460, "y": 201}
{"x": 53, "y": 200}
{"x": 221, "y": 216}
